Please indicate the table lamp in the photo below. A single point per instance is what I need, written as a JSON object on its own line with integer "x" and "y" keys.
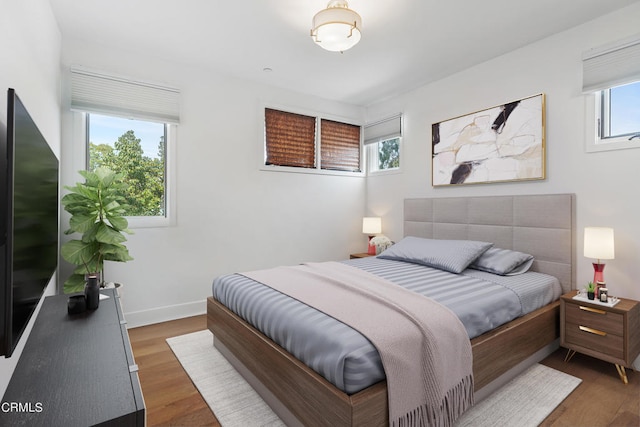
{"x": 371, "y": 226}
{"x": 598, "y": 244}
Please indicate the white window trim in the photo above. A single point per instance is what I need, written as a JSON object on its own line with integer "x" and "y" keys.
{"x": 593, "y": 142}
{"x": 80, "y": 135}
{"x": 379, "y": 131}
{"x": 317, "y": 170}
{"x": 373, "y": 160}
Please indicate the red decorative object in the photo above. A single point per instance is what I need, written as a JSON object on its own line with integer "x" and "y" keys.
{"x": 598, "y": 273}
{"x": 372, "y": 248}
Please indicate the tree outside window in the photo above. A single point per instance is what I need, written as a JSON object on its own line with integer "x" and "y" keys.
{"x": 389, "y": 154}
{"x": 137, "y": 149}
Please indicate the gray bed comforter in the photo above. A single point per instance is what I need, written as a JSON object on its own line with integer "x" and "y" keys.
{"x": 482, "y": 301}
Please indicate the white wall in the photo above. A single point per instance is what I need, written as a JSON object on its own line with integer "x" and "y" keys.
{"x": 231, "y": 216}
{"x": 30, "y": 48}
{"x": 605, "y": 183}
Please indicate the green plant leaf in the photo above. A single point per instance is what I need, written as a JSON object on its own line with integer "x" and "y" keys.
{"x": 78, "y": 252}
{"x": 107, "y": 234}
{"x": 85, "y": 191}
{"x": 121, "y": 255}
{"x": 91, "y": 179}
{"x": 111, "y": 206}
{"x": 74, "y": 198}
{"x": 90, "y": 235}
{"x": 118, "y": 222}
{"x": 96, "y": 213}
{"x": 75, "y": 283}
{"x": 82, "y": 222}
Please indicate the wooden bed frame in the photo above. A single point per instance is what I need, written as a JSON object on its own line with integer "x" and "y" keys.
{"x": 542, "y": 225}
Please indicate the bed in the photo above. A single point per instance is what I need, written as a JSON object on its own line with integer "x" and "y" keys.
{"x": 541, "y": 225}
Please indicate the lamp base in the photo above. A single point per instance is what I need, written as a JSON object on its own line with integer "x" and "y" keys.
{"x": 598, "y": 278}
{"x": 598, "y": 273}
{"x": 371, "y": 250}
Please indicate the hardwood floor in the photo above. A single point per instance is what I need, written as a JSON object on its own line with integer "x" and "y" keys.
{"x": 170, "y": 397}
{"x": 172, "y": 400}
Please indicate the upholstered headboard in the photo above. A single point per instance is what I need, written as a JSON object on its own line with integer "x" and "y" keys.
{"x": 540, "y": 225}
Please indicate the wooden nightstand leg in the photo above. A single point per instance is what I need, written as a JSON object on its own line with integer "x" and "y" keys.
{"x": 569, "y": 355}
{"x": 622, "y": 373}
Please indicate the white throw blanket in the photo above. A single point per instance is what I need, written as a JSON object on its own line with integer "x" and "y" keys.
{"x": 425, "y": 349}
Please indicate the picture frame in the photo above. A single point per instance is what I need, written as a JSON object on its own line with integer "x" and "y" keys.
{"x": 504, "y": 143}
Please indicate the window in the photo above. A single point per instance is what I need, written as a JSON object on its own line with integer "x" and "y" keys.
{"x": 611, "y": 76}
{"x": 136, "y": 149}
{"x": 619, "y": 112}
{"x": 296, "y": 141}
{"x": 383, "y": 141}
{"x": 130, "y": 127}
{"x": 290, "y": 139}
{"x": 340, "y": 146}
{"x": 384, "y": 155}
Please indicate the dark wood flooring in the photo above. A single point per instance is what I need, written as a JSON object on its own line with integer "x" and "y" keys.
{"x": 172, "y": 400}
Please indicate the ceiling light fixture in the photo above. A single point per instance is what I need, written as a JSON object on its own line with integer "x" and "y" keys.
{"x": 336, "y": 28}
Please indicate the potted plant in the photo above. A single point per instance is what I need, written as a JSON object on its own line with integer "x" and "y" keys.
{"x": 97, "y": 214}
{"x": 591, "y": 290}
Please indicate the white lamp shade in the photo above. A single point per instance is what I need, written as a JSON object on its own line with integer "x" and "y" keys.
{"x": 371, "y": 225}
{"x": 598, "y": 243}
{"x": 336, "y": 28}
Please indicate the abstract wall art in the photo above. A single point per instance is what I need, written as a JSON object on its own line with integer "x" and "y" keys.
{"x": 499, "y": 144}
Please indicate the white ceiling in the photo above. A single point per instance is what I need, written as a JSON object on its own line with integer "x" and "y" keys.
{"x": 405, "y": 43}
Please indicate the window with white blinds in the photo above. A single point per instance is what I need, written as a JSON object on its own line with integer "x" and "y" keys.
{"x": 611, "y": 65}
{"x": 384, "y": 129}
{"x": 611, "y": 79}
{"x": 129, "y": 127}
{"x": 100, "y": 93}
{"x": 383, "y": 139}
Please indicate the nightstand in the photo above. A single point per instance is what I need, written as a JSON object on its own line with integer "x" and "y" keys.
{"x": 359, "y": 255}
{"x": 608, "y": 333}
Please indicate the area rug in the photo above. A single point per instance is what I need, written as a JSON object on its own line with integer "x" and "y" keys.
{"x": 525, "y": 401}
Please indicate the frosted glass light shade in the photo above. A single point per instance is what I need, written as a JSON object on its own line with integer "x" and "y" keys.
{"x": 336, "y": 28}
{"x": 371, "y": 225}
{"x": 599, "y": 243}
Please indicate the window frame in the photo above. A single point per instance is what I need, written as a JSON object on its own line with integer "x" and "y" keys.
{"x": 81, "y": 162}
{"x": 597, "y": 113}
{"x": 372, "y": 153}
{"x": 317, "y": 169}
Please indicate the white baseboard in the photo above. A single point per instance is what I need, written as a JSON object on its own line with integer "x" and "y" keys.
{"x": 164, "y": 314}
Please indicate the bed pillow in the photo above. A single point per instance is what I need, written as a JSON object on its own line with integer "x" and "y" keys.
{"x": 504, "y": 262}
{"x": 448, "y": 255}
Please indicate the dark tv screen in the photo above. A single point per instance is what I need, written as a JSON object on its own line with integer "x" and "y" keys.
{"x": 30, "y": 220}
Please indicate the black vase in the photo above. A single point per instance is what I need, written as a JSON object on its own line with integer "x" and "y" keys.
{"x": 92, "y": 292}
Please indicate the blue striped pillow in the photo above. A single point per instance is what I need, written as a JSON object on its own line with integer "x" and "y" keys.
{"x": 504, "y": 262}
{"x": 449, "y": 255}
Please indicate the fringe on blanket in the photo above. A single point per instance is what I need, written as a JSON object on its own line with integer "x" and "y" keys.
{"x": 455, "y": 403}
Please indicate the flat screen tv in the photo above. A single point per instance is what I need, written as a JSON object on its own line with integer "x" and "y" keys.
{"x": 28, "y": 221}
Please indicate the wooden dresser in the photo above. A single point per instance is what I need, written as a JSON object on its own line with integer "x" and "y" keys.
{"x": 611, "y": 334}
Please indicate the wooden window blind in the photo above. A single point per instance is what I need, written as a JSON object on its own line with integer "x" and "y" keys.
{"x": 290, "y": 139}
{"x": 339, "y": 146}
